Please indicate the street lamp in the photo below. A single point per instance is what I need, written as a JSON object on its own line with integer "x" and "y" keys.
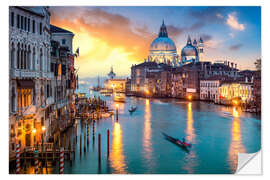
{"x": 189, "y": 97}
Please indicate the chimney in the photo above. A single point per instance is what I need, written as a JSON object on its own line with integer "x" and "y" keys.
{"x": 235, "y": 66}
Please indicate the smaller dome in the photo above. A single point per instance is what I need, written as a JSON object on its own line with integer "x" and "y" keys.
{"x": 189, "y": 50}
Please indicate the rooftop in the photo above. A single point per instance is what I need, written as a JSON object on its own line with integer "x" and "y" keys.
{"x": 55, "y": 29}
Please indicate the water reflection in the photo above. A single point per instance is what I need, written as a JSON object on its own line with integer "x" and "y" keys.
{"x": 117, "y": 156}
{"x": 236, "y": 140}
{"x": 190, "y": 129}
{"x": 147, "y": 132}
{"x": 190, "y": 158}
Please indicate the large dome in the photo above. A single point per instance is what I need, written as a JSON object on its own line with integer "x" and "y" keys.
{"x": 163, "y": 44}
{"x": 189, "y": 50}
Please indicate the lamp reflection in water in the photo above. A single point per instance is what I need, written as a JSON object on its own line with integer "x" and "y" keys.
{"x": 147, "y": 134}
{"x": 236, "y": 140}
{"x": 117, "y": 156}
{"x": 190, "y": 157}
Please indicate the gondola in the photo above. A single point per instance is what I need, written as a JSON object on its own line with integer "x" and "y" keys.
{"x": 132, "y": 109}
{"x": 177, "y": 141}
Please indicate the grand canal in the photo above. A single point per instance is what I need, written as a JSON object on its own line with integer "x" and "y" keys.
{"x": 217, "y": 134}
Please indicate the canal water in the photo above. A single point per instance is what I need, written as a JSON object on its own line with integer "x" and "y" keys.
{"x": 137, "y": 145}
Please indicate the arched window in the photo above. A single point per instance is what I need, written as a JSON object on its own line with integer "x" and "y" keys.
{"x": 18, "y": 56}
{"x": 12, "y": 55}
{"x": 22, "y": 58}
{"x": 29, "y": 58}
{"x": 25, "y": 57}
{"x": 13, "y": 96}
{"x": 40, "y": 57}
{"x": 34, "y": 59}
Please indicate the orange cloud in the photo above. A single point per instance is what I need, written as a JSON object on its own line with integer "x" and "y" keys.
{"x": 105, "y": 39}
{"x": 232, "y": 21}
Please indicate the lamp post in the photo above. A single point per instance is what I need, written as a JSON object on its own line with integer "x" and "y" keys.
{"x": 117, "y": 112}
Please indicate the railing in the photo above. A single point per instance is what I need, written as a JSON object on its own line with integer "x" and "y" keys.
{"x": 24, "y": 73}
{"x": 27, "y": 110}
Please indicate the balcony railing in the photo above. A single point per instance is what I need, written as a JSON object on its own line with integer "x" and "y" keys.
{"x": 24, "y": 73}
{"x": 27, "y": 73}
{"x": 27, "y": 110}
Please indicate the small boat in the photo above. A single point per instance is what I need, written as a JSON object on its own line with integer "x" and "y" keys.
{"x": 132, "y": 109}
{"x": 119, "y": 97}
{"x": 177, "y": 141}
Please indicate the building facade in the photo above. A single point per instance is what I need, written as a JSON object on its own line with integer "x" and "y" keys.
{"x": 30, "y": 76}
{"x": 241, "y": 92}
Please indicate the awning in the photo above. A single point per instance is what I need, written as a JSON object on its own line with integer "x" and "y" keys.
{"x": 25, "y": 83}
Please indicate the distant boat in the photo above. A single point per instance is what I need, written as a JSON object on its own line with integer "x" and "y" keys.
{"x": 119, "y": 97}
{"x": 132, "y": 109}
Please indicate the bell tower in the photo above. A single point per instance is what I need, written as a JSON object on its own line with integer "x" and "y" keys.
{"x": 200, "y": 48}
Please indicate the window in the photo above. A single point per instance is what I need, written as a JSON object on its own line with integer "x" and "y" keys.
{"x": 63, "y": 41}
{"x": 40, "y": 28}
{"x": 21, "y": 22}
{"x": 18, "y": 21}
{"x": 25, "y": 23}
{"x": 33, "y": 26}
{"x": 28, "y": 27}
{"x": 12, "y": 19}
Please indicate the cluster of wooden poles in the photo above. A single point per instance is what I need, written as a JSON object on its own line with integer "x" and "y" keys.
{"x": 59, "y": 153}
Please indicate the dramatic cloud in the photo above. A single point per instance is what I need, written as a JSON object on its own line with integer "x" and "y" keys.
{"x": 235, "y": 47}
{"x": 232, "y": 21}
{"x": 105, "y": 39}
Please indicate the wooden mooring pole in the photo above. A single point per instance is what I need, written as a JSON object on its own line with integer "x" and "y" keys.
{"x": 108, "y": 143}
{"x": 99, "y": 147}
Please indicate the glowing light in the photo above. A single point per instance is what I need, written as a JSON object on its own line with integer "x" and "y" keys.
{"x": 117, "y": 105}
{"x": 146, "y": 91}
{"x": 43, "y": 128}
{"x": 235, "y": 102}
{"x": 189, "y": 97}
{"x": 34, "y": 130}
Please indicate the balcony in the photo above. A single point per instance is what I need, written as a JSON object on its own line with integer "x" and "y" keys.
{"x": 27, "y": 110}
{"x": 23, "y": 73}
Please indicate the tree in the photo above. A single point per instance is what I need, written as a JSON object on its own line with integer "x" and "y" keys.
{"x": 258, "y": 64}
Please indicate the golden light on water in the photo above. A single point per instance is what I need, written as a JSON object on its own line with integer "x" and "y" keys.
{"x": 117, "y": 156}
{"x": 236, "y": 140}
{"x": 190, "y": 157}
{"x": 147, "y": 102}
{"x": 190, "y": 129}
{"x": 147, "y": 131}
{"x": 235, "y": 112}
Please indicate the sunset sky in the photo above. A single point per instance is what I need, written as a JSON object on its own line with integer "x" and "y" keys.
{"x": 121, "y": 36}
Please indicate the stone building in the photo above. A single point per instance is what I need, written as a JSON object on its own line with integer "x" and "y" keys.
{"x": 30, "y": 77}
{"x": 64, "y": 81}
{"x": 209, "y": 88}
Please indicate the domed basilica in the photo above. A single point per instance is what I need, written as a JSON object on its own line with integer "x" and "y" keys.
{"x": 163, "y": 50}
